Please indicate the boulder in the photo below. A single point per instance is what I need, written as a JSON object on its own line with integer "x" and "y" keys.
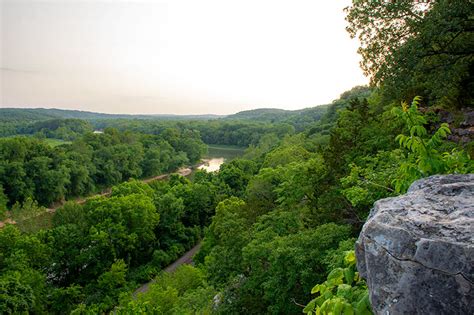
{"x": 416, "y": 251}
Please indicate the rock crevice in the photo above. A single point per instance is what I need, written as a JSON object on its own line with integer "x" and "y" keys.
{"x": 425, "y": 266}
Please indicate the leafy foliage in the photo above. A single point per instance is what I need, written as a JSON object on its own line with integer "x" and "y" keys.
{"x": 344, "y": 292}
{"x": 183, "y": 292}
{"x": 416, "y": 47}
{"x": 424, "y": 156}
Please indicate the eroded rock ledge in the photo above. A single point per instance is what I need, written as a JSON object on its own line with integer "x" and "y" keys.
{"x": 416, "y": 251}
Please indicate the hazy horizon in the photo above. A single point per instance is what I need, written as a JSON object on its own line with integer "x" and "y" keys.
{"x": 174, "y": 57}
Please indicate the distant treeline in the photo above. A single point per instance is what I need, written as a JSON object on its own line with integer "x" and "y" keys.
{"x": 241, "y": 129}
{"x": 35, "y": 114}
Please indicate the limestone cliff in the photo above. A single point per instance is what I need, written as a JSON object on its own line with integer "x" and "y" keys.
{"x": 416, "y": 251}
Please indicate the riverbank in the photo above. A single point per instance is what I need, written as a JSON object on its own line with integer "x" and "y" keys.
{"x": 185, "y": 171}
{"x": 211, "y": 162}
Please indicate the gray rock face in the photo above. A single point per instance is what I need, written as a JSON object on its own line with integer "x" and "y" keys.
{"x": 416, "y": 251}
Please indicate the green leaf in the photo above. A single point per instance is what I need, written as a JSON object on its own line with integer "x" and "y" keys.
{"x": 349, "y": 275}
{"x": 338, "y": 306}
{"x": 344, "y": 291}
{"x": 348, "y": 309}
{"x": 310, "y": 306}
{"x": 363, "y": 305}
{"x": 316, "y": 288}
{"x": 350, "y": 258}
{"x": 336, "y": 275}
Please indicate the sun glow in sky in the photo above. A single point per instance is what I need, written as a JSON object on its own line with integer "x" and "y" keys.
{"x": 175, "y": 56}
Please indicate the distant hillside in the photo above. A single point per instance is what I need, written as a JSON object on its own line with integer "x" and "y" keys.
{"x": 35, "y": 114}
{"x": 15, "y": 120}
{"x": 261, "y": 114}
{"x": 298, "y": 118}
{"x": 323, "y": 115}
{"x": 292, "y": 116}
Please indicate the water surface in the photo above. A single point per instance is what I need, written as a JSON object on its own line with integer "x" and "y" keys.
{"x": 211, "y": 165}
{"x": 217, "y": 155}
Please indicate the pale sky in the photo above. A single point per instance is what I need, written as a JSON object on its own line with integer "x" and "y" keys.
{"x": 175, "y": 56}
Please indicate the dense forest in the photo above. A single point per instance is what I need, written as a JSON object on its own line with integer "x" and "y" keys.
{"x": 277, "y": 226}
{"x": 31, "y": 168}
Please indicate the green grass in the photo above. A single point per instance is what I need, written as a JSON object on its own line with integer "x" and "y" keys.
{"x": 55, "y": 142}
{"x": 50, "y": 141}
{"x": 36, "y": 223}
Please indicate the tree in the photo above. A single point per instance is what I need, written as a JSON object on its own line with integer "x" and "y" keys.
{"x": 199, "y": 200}
{"x": 236, "y": 174}
{"x": 302, "y": 182}
{"x": 414, "y": 47}
{"x": 3, "y": 203}
{"x": 123, "y": 226}
{"x": 170, "y": 229}
{"x": 70, "y": 213}
{"x": 49, "y": 180}
{"x": 65, "y": 299}
{"x": 22, "y": 285}
{"x": 227, "y": 235}
{"x": 382, "y": 27}
{"x": 15, "y": 183}
{"x": 71, "y": 255}
{"x": 260, "y": 191}
{"x": 286, "y": 154}
{"x": 80, "y": 169}
{"x": 15, "y": 296}
{"x": 28, "y": 215}
{"x": 181, "y": 292}
{"x": 109, "y": 285}
{"x": 132, "y": 187}
{"x": 280, "y": 264}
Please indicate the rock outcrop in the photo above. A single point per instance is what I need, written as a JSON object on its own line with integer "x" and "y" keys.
{"x": 416, "y": 251}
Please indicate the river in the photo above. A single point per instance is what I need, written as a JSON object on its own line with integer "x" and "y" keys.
{"x": 217, "y": 155}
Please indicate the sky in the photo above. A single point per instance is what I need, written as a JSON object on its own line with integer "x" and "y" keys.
{"x": 175, "y": 56}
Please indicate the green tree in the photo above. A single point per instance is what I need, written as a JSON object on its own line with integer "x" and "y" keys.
{"x": 109, "y": 285}
{"x": 123, "y": 226}
{"x": 3, "y": 203}
{"x": 414, "y": 47}
{"x": 181, "y": 292}
{"x": 70, "y": 213}
{"x": 236, "y": 174}
{"x": 170, "y": 229}
{"x": 227, "y": 235}
{"x": 15, "y": 183}
{"x": 49, "y": 180}
{"x": 65, "y": 299}
{"x": 282, "y": 268}
{"x": 260, "y": 192}
{"x": 15, "y": 296}
{"x": 22, "y": 285}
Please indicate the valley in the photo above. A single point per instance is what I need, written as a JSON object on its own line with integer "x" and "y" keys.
{"x": 214, "y": 158}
